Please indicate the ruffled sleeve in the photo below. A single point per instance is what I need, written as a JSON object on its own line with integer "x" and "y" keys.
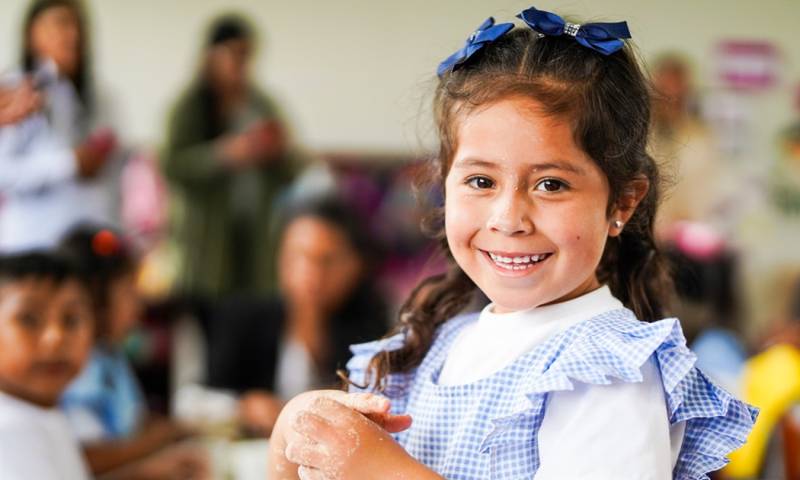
{"x": 396, "y": 384}
{"x": 716, "y": 422}
{"x": 613, "y": 347}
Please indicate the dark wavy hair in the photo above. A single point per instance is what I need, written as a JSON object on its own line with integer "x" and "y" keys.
{"x": 606, "y": 100}
{"x": 82, "y": 78}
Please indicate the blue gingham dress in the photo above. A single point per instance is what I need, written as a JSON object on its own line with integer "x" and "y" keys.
{"x": 489, "y": 428}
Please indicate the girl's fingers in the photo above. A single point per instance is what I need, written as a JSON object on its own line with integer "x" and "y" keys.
{"x": 390, "y": 422}
{"x": 334, "y": 411}
{"x": 396, "y": 423}
{"x": 374, "y": 407}
{"x": 315, "y": 427}
{"x": 305, "y": 453}
{"x": 361, "y": 402}
{"x": 307, "y": 473}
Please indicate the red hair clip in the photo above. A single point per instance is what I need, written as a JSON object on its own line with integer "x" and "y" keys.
{"x": 105, "y": 243}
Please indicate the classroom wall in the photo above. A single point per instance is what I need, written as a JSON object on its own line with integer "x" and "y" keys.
{"x": 357, "y": 74}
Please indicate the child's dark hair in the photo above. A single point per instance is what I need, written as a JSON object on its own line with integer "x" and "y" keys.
{"x": 606, "y": 99}
{"x": 102, "y": 257}
{"x": 38, "y": 265}
{"x": 82, "y": 78}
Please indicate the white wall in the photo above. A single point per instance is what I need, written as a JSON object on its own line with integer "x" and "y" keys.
{"x": 353, "y": 74}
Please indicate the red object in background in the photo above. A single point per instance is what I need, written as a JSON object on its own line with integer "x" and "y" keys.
{"x": 102, "y": 141}
{"x": 105, "y": 243}
{"x": 748, "y": 64}
{"x": 790, "y": 428}
{"x": 268, "y": 136}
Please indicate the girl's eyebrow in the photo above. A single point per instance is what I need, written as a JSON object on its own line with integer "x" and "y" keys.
{"x": 535, "y": 167}
{"x": 558, "y": 165}
{"x": 474, "y": 162}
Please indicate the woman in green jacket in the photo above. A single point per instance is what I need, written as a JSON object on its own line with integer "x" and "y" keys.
{"x": 226, "y": 160}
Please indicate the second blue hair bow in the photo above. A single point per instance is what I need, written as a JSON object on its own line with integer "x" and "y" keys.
{"x": 486, "y": 33}
{"x": 605, "y": 38}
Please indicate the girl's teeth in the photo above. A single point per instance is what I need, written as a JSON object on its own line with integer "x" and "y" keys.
{"x": 516, "y": 263}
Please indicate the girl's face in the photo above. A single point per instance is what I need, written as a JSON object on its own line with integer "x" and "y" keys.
{"x": 525, "y": 208}
{"x": 55, "y": 35}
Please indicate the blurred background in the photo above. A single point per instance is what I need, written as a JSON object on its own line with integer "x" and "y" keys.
{"x": 255, "y": 160}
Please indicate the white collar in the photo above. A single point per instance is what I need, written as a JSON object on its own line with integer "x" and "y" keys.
{"x": 560, "y": 315}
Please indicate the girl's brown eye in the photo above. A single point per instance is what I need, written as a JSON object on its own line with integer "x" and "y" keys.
{"x": 551, "y": 185}
{"x": 480, "y": 183}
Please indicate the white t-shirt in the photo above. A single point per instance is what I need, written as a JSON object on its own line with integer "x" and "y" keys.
{"x": 575, "y": 441}
{"x": 37, "y": 443}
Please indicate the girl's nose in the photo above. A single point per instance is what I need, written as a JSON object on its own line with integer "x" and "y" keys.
{"x": 510, "y": 216}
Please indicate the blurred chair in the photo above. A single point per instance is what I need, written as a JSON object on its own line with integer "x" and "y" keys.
{"x": 771, "y": 382}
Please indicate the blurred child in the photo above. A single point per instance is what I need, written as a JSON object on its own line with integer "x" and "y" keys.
{"x": 46, "y": 327}
{"x": 105, "y": 404}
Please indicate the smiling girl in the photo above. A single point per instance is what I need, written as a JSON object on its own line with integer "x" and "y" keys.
{"x": 569, "y": 372}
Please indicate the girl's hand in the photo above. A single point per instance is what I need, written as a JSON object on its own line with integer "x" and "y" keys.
{"x": 337, "y": 442}
{"x": 374, "y": 407}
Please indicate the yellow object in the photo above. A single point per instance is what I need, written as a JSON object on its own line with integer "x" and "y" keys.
{"x": 772, "y": 383}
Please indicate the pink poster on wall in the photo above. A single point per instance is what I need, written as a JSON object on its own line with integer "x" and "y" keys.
{"x": 748, "y": 64}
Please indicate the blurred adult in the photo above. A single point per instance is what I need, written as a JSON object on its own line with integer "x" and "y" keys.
{"x": 54, "y": 164}
{"x": 691, "y": 218}
{"x": 685, "y": 145}
{"x": 268, "y": 351}
{"x": 226, "y": 157}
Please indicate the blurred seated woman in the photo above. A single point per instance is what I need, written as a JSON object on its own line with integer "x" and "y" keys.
{"x": 267, "y": 351}
{"x": 104, "y": 404}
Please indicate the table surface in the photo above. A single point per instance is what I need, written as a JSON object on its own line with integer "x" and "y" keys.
{"x": 238, "y": 460}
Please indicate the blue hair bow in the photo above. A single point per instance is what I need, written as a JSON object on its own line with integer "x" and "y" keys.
{"x": 602, "y": 37}
{"x": 486, "y": 33}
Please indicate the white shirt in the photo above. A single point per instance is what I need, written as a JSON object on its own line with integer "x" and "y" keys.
{"x": 593, "y": 432}
{"x": 42, "y": 196}
{"x": 296, "y": 372}
{"x": 37, "y": 443}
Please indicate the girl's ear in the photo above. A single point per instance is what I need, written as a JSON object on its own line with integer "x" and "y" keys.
{"x": 629, "y": 199}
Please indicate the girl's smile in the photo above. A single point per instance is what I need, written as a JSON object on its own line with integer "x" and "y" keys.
{"x": 516, "y": 264}
{"x": 526, "y": 210}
